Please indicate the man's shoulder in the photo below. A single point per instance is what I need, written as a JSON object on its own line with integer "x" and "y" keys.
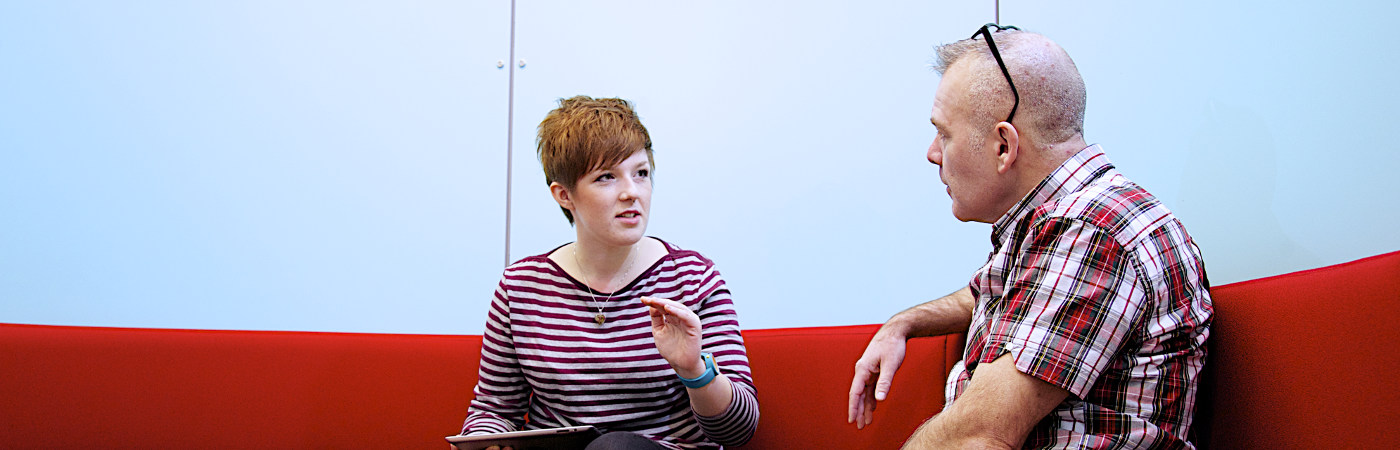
{"x": 1114, "y": 205}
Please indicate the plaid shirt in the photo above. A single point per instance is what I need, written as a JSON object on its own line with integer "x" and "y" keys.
{"x": 1095, "y": 287}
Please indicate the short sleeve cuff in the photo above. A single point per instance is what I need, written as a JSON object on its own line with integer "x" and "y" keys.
{"x": 1046, "y": 364}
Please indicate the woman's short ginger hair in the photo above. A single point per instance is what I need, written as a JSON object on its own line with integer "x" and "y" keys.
{"x": 584, "y": 134}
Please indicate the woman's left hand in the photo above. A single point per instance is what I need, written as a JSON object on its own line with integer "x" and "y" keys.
{"x": 677, "y": 332}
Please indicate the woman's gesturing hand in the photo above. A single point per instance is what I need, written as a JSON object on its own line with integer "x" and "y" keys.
{"x": 677, "y": 332}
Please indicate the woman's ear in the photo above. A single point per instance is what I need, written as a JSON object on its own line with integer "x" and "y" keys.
{"x": 561, "y": 195}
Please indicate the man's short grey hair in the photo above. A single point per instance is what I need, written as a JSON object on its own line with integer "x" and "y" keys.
{"x": 1052, "y": 92}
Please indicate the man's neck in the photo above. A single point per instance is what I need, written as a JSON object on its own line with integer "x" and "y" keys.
{"x": 1042, "y": 160}
{"x": 1046, "y": 158}
{"x": 1067, "y": 149}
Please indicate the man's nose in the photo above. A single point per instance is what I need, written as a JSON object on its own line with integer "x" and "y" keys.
{"x": 935, "y": 154}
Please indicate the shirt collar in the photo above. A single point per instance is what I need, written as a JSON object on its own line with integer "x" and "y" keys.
{"x": 1072, "y": 175}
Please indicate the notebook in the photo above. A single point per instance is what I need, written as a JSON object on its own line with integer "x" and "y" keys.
{"x": 566, "y": 438}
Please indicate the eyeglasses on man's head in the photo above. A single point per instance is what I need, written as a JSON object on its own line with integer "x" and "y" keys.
{"x": 987, "y": 32}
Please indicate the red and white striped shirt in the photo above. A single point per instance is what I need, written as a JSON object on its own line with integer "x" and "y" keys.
{"x": 543, "y": 354}
{"x": 1095, "y": 287}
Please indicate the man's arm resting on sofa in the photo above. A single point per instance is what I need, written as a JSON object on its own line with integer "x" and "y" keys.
{"x": 885, "y": 353}
{"x": 998, "y": 410}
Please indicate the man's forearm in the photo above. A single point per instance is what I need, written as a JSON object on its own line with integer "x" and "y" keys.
{"x": 937, "y": 433}
{"x": 999, "y": 408}
{"x": 946, "y": 315}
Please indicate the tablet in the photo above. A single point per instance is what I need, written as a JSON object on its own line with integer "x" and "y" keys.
{"x": 565, "y": 438}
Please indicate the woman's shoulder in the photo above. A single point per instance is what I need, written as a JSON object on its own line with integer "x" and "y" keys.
{"x": 535, "y": 263}
{"x": 677, "y": 255}
{"x": 688, "y": 272}
{"x": 538, "y": 274}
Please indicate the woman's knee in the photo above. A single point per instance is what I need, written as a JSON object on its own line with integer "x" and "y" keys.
{"x": 623, "y": 440}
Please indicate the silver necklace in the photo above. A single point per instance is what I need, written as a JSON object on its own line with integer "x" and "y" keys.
{"x": 600, "y": 318}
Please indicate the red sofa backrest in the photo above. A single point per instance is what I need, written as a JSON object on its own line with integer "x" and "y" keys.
{"x": 803, "y": 377}
{"x": 70, "y": 387}
{"x": 1305, "y": 360}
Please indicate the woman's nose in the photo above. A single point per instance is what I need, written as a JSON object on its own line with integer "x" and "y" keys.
{"x": 629, "y": 190}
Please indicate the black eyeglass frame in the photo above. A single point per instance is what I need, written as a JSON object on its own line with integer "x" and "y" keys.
{"x": 985, "y": 31}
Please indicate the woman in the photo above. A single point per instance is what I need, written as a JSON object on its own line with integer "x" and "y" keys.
{"x": 627, "y": 333}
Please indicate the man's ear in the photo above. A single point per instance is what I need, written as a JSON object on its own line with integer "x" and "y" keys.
{"x": 561, "y": 196}
{"x": 1008, "y": 146}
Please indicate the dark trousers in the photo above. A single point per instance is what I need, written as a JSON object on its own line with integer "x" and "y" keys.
{"x": 622, "y": 440}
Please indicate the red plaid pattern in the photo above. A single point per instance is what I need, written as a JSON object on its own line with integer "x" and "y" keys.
{"x": 1095, "y": 287}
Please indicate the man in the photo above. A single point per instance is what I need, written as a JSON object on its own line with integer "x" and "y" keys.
{"x": 1087, "y": 326}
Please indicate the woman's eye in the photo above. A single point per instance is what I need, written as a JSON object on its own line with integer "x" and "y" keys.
{"x": 604, "y": 177}
{"x": 644, "y": 173}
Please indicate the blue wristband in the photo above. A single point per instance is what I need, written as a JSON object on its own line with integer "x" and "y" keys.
{"x": 704, "y": 378}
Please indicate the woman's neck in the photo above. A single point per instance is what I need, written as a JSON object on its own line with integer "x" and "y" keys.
{"x": 607, "y": 267}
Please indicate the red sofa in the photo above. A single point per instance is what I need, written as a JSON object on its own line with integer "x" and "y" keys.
{"x": 1302, "y": 360}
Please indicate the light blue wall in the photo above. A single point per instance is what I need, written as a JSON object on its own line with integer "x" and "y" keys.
{"x": 341, "y": 166}
{"x": 250, "y": 164}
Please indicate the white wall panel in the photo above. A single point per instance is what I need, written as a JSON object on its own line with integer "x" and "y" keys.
{"x": 266, "y": 165}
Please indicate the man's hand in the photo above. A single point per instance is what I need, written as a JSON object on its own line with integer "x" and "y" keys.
{"x": 874, "y": 372}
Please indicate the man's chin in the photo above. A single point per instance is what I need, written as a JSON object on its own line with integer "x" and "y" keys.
{"x": 962, "y": 216}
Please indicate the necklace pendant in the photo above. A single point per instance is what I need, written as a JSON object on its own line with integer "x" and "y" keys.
{"x": 600, "y": 318}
